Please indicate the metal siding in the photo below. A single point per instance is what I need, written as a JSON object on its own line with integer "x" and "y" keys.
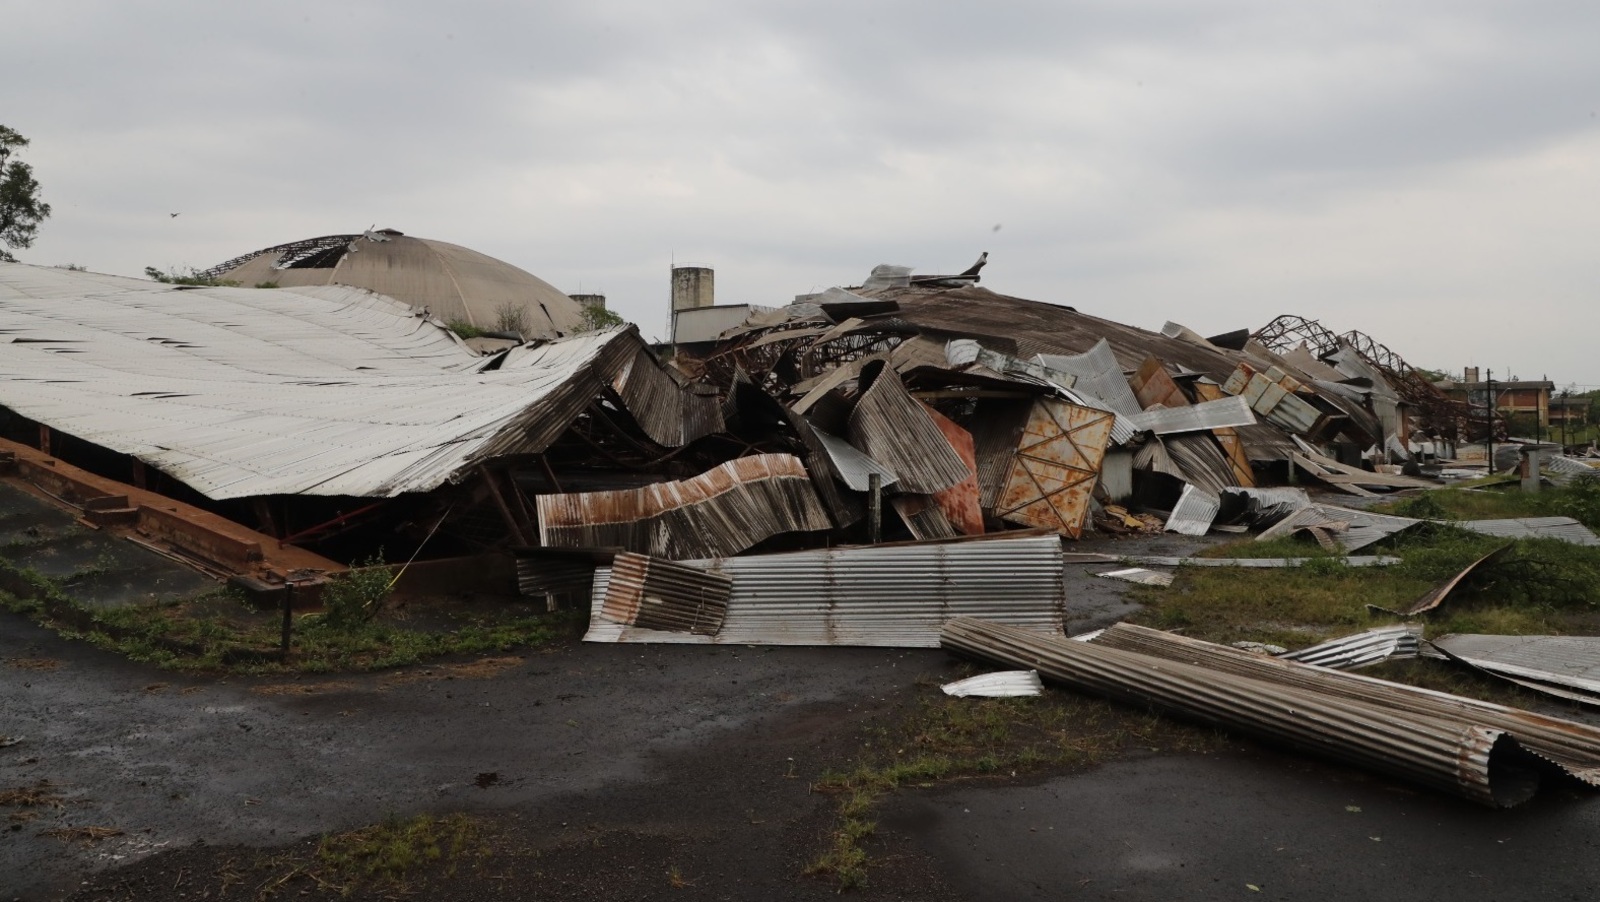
{"x": 1207, "y": 415}
{"x": 1195, "y": 511}
{"x": 894, "y": 429}
{"x": 662, "y": 595}
{"x": 883, "y": 595}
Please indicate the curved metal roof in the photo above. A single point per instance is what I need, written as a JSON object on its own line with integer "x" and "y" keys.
{"x": 452, "y": 282}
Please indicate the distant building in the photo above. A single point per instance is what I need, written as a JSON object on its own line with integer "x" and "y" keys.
{"x": 1511, "y": 398}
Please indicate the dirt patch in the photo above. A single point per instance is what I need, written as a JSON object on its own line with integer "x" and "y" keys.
{"x": 42, "y": 664}
{"x": 81, "y": 834}
{"x": 274, "y": 689}
{"x": 39, "y": 795}
{"x": 481, "y": 669}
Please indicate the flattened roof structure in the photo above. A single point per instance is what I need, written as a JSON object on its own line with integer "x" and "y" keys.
{"x": 240, "y": 392}
{"x": 452, "y": 282}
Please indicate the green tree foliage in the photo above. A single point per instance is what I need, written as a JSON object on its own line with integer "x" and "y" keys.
{"x": 190, "y": 277}
{"x": 596, "y": 318}
{"x": 21, "y": 210}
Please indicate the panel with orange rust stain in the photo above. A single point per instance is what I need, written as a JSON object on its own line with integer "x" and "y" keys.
{"x": 1056, "y": 467}
{"x": 960, "y": 502}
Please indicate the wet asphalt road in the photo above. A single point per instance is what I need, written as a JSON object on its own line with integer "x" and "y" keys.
{"x": 171, "y": 760}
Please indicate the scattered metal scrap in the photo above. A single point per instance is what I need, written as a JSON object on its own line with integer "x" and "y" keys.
{"x": 1139, "y": 575}
{"x": 1004, "y": 684}
{"x": 662, "y": 595}
{"x": 1566, "y": 667}
{"x": 1447, "y": 751}
{"x": 1364, "y": 649}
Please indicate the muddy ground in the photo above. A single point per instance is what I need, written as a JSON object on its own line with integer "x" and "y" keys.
{"x": 680, "y": 772}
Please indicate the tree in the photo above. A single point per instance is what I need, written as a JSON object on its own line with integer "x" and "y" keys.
{"x": 193, "y": 276}
{"x": 21, "y": 210}
{"x": 596, "y": 318}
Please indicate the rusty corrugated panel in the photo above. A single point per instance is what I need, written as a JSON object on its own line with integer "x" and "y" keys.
{"x": 894, "y": 595}
{"x": 668, "y": 409}
{"x": 996, "y": 430}
{"x": 1449, "y": 753}
{"x": 721, "y": 511}
{"x": 1200, "y": 459}
{"x": 1574, "y": 747}
{"x": 1232, "y": 443}
{"x": 662, "y": 595}
{"x": 894, "y": 429}
{"x": 923, "y": 517}
{"x": 1056, "y": 466}
{"x": 1437, "y": 595}
{"x": 960, "y": 502}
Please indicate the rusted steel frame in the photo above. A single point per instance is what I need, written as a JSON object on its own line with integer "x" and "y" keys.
{"x": 1452, "y": 754}
{"x": 1574, "y": 747}
{"x": 336, "y": 521}
{"x": 505, "y": 510}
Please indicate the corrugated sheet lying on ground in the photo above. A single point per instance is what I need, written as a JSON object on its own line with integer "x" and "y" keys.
{"x": 1574, "y": 747}
{"x": 1448, "y": 753}
{"x": 239, "y": 392}
{"x": 1565, "y": 469}
{"x": 1194, "y": 513}
{"x": 1255, "y": 563}
{"x": 662, "y": 595}
{"x": 1563, "y": 666}
{"x": 1564, "y": 528}
{"x": 1363, "y": 649}
{"x": 894, "y": 429}
{"x": 721, "y": 511}
{"x": 1004, "y": 684}
{"x": 882, "y": 595}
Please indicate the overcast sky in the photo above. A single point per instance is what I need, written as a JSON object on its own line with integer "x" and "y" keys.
{"x": 1426, "y": 172}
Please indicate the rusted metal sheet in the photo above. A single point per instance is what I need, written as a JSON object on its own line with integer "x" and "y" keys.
{"x": 894, "y": 429}
{"x": 1449, "y": 753}
{"x": 1056, "y": 465}
{"x": 996, "y": 431}
{"x": 1574, "y": 747}
{"x": 662, "y": 595}
{"x": 1232, "y": 444}
{"x": 960, "y": 502}
{"x": 1154, "y": 387}
{"x": 721, "y": 511}
{"x": 1201, "y": 461}
{"x": 893, "y": 595}
{"x": 1563, "y": 666}
{"x": 1437, "y": 595}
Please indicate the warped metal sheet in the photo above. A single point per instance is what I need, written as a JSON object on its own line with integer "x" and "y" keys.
{"x": 1234, "y": 446}
{"x": 923, "y": 517}
{"x": 895, "y": 429}
{"x": 1055, "y": 468}
{"x": 668, "y": 409}
{"x": 1565, "y": 469}
{"x": 1005, "y": 684}
{"x": 239, "y": 392}
{"x": 1155, "y": 387}
{"x": 1139, "y": 575}
{"x": 721, "y": 511}
{"x": 1564, "y": 528}
{"x": 854, "y": 468}
{"x": 1438, "y": 594}
{"x": 1255, "y": 563}
{"x": 960, "y": 502}
{"x": 662, "y": 595}
{"x": 1363, "y": 649}
{"x": 1449, "y": 753}
{"x": 1574, "y": 747}
{"x": 1195, "y": 511}
{"x": 895, "y": 595}
{"x": 1268, "y": 505}
{"x": 1564, "y": 666}
{"x": 1361, "y": 528}
{"x": 1098, "y": 374}
{"x": 1201, "y": 460}
{"x": 1207, "y": 415}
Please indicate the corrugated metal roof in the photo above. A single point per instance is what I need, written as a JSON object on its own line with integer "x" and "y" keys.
{"x": 1564, "y": 666}
{"x": 1574, "y": 747}
{"x": 854, "y": 468}
{"x": 1005, "y": 684}
{"x": 1363, "y": 649}
{"x": 894, "y": 429}
{"x": 1194, "y": 512}
{"x": 1099, "y": 375}
{"x": 1564, "y": 528}
{"x": 1206, "y": 415}
{"x": 240, "y": 392}
{"x": 1449, "y": 753}
{"x": 721, "y": 511}
{"x": 882, "y": 595}
{"x": 662, "y": 595}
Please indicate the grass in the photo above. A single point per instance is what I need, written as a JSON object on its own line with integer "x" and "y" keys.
{"x": 385, "y": 857}
{"x": 220, "y": 632}
{"x": 947, "y": 739}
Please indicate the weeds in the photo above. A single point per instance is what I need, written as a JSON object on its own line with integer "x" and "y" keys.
{"x": 947, "y": 739}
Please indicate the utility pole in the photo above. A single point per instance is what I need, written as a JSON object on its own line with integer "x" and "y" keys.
{"x": 1565, "y": 412}
{"x": 1488, "y": 415}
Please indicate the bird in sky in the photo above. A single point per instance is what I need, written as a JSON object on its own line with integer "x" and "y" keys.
{"x": 173, "y": 215}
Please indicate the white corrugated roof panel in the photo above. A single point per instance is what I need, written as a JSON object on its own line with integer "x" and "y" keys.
{"x": 240, "y": 392}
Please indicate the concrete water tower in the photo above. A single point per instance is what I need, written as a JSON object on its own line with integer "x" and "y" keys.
{"x": 693, "y": 287}
{"x": 590, "y": 300}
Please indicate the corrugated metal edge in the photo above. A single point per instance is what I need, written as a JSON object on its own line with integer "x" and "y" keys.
{"x": 1194, "y": 512}
{"x": 1363, "y": 649}
{"x": 1004, "y": 684}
